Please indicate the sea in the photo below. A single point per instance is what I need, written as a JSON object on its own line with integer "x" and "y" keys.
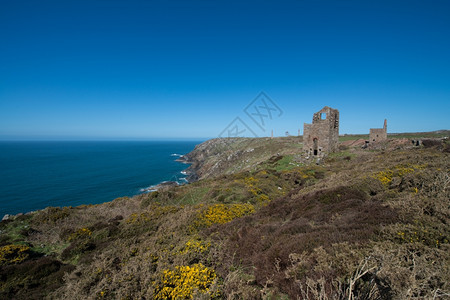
{"x": 38, "y": 174}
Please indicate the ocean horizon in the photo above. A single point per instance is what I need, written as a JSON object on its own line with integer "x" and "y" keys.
{"x": 39, "y": 174}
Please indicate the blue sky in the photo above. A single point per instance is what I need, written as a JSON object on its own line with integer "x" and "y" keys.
{"x": 186, "y": 69}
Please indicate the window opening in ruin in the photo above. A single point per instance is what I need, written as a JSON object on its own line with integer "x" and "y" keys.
{"x": 323, "y": 116}
{"x": 315, "y": 146}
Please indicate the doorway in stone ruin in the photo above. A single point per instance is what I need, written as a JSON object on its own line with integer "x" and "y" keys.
{"x": 315, "y": 147}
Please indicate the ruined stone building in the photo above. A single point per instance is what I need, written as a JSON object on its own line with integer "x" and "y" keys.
{"x": 378, "y": 134}
{"x": 322, "y": 135}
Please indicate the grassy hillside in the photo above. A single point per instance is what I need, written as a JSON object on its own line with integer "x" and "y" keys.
{"x": 228, "y": 156}
{"x": 261, "y": 224}
{"x": 407, "y": 135}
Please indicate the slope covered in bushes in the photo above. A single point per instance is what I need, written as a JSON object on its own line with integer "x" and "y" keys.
{"x": 362, "y": 224}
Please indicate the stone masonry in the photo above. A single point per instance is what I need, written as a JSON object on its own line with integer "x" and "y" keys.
{"x": 322, "y": 136}
{"x": 378, "y": 134}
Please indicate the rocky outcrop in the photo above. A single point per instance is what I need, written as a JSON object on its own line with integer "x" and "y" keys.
{"x": 229, "y": 155}
{"x": 206, "y": 158}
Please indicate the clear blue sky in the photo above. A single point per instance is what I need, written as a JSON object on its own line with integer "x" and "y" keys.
{"x": 90, "y": 69}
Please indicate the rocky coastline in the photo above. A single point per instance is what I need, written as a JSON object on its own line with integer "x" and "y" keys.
{"x": 192, "y": 171}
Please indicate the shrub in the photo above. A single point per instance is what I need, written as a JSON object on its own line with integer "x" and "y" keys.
{"x": 195, "y": 246}
{"x": 184, "y": 281}
{"x": 13, "y": 254}
{"x": 428, "y": 143}
{"x": 80, "y": 233}
{"x": 300, "y": 223}
{"x": 386, "y": 176}
{"x": 222, "y": 213}
{"x": 429, "y": 236}
{"x": 76, "y": 249}
{"x": 52, "y": 215}
{"x": 339, "y": 194}
{"x": 149, "y": 198}
{"x": 154, "y": 212}
{"x": 32, "y": 279}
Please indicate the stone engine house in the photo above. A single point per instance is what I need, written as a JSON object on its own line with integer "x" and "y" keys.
{"x": 322, "y": 136}
{"x": 378, "y": 134}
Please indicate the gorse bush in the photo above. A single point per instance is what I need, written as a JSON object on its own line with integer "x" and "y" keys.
{"x": 195, "y": 246}
{"x": 386, "y": 176}
{"x": 52, "y": 215}
{"x": 251, "y": 184}
{"x": 11, "y": 254}
{"x": 184, "y": 281}
{"x": 80, "y": 233}
{"x": 222, "y": 213}
{"x": 429, "y": 236}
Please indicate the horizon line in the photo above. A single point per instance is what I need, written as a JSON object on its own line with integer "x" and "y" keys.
{"x": 56, "y": 138}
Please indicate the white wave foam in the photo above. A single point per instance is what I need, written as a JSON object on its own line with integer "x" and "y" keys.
{"x": 148, "y": 189}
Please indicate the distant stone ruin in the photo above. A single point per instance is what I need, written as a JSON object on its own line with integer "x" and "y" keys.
{"x": 322, "y": 135}
{"x": 378, "y": 134}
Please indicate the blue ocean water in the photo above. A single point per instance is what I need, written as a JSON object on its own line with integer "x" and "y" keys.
{"x": 34, "y": 175}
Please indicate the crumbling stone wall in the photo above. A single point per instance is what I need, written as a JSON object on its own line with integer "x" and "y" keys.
{"x": 378, "y": 134}
{"x": 322, "y": 135}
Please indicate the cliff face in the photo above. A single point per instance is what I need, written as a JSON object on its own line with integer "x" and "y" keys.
{"x": 226, "y": 156}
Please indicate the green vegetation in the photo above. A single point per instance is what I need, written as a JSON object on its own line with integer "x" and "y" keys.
{"x": 406, "y": 135}
{"x": 351, "y": 137}
{"x": 267, "y": 224}
{"x": 234, "y": 155}
{"x": 417, "y": 135}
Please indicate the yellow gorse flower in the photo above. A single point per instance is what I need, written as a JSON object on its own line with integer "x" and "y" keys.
{"x": 183, "y": 281}
{"x": 195, "y": 246}
{"x": 222, "y": 213}
{"x": 82, "y": 232}
{"x": 11, "y": 254}
{"x": 386, "y": 176}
